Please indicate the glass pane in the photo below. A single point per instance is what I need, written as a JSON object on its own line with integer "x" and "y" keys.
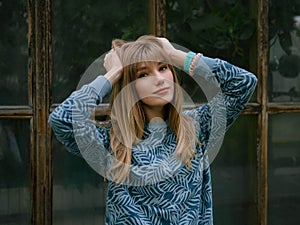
{"x": 218, "y": 29}
{"x": 284, "y": 61}
{"x": 234, "y": 175}
{"x": 78, "y": 191}
{"x": 14, "y": 172}
{"x": 13, "y": 53}
{"x": 83, "y": 31}
{"x": 284, "y": 170}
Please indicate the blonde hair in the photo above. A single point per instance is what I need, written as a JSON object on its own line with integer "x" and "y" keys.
{"x": 127, "y": 114}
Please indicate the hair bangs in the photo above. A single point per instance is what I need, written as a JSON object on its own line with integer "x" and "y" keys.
{"x": 142, "y": 51}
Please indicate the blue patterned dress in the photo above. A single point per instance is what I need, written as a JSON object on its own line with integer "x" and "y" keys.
{"x": 180, "y": 196}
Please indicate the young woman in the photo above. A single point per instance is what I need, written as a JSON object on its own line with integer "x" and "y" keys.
{"x": 155, "y": 157}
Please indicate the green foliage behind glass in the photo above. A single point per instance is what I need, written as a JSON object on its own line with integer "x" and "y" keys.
{"x": 13, "y": 52}
{"x": 83, "y": 30}
{"x": 219, "y": 28}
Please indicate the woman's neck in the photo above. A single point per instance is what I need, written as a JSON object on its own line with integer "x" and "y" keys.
{"x": 155, "y": 114}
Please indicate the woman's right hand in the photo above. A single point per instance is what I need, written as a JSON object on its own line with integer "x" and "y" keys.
{"x": 113, "y": 66}
{"x": 112, "y": 61}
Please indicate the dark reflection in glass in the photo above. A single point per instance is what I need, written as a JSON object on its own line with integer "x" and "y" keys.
{"x": 13, "y": 52}
{"x": 14, "y": 172}
{"x": 284, "y": 170}
{"x": 78, "y": 191}
{"x": 218, "y": 29}
{"x": 83, "y": 30}
{"x": 284, "y": 61}
{"x": 234, "y": 175}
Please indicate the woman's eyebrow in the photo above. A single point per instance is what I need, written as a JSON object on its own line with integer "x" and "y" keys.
{"x": 162, "y": 63}
{"x": 146, "y": 66}
{"x": 142, "y": 67}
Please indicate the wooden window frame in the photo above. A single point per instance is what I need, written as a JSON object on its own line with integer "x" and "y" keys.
{"x": 40, "y": 99}
{"x": 40, "y": 83}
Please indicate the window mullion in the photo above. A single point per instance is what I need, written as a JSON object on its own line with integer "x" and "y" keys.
{"x": 39, "y": 73}
{"x": 158, "y": 17}
{"x": 262, "y": 151}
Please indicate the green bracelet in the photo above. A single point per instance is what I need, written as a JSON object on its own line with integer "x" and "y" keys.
{"x": 188, "y": 60}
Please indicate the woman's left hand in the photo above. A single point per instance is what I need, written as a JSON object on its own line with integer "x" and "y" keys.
{"x": 176, "y": 56}
{"x": 167, "y": 46}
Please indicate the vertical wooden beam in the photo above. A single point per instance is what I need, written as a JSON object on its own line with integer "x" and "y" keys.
{"x": 158, "y": 17}
{"x": 253, "y": 55}
{"x": 262, "y": 97}
{"x": 39, "y": 67}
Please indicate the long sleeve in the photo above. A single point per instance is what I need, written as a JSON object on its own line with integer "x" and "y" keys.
{"x": 71, "y": 122}
{"x": 236, "y": 85}
{"x": 228, "y": 88}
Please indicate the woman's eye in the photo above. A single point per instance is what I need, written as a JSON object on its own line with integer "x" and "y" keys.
{"x": 142, "y": 75}
{"x": 162, "y": 68}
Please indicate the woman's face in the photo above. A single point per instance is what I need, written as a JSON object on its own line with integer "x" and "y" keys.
{"x": 154, "y": 83}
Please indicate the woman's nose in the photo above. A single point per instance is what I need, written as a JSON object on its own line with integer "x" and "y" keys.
{"x": 159, "y": 79}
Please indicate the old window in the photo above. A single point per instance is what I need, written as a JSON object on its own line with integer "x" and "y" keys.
{"x": 47, "y": 45}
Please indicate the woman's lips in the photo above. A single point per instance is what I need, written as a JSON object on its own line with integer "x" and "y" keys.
{"x": 162, "y": 91}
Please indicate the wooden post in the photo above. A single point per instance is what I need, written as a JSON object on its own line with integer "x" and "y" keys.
{"x": 158, "y": 17}
{"x": 262, "y": 97}
{"x": 39, "y": 69}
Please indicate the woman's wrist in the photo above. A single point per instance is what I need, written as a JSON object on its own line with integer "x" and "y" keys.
{"x": 177, "y": 58}
{"x": 185, "y": 60}
{"x": 193, "y": 63}
{"x": 188, "y": 61}
{"x": 113, "y": 74}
